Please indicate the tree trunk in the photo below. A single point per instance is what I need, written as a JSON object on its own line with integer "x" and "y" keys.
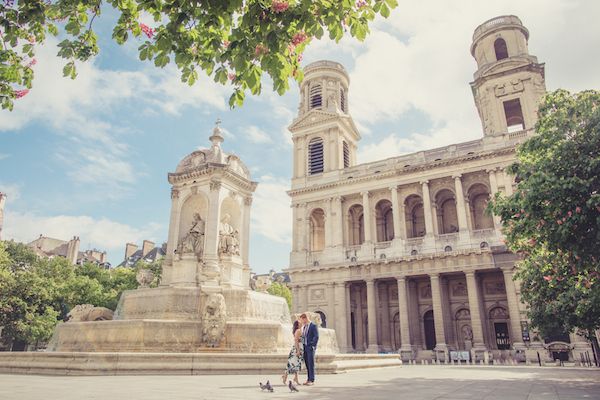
{"x": 595, "y": 349}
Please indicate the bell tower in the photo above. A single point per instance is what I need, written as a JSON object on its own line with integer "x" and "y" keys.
{"x": 324, "y": 135}
{"x": 509, "y": 82}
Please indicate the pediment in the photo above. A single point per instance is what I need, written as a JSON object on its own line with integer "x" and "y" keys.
{"x": 320, "y": 117}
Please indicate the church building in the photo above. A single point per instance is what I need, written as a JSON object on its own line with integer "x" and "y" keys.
{"x": 400, "y": 255}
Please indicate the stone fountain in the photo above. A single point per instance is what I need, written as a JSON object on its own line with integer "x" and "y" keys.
{"x": 203, "y": 318}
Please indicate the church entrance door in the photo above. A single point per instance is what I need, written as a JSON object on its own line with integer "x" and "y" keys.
{"x": 429, "y": 329}
{"x": 502, "y": 338}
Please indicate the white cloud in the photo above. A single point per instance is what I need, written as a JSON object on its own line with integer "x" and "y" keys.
{"x": 101, "y": 233}
{"x": 12, "y": 190}
{"x": 419, "y": 60}
{"x": 257, "y": 135}
{"x": 271, "y": 213}
{"x": 82, "y": 111}
{"x": 4, "y": 155}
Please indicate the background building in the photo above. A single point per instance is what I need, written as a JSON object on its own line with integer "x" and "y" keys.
{"x": 400, "y": 254}
{"x": 49, "y": 247}
{"x": 148, "y": 253}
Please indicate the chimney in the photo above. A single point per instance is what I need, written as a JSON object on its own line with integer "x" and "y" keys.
{"x": 130, "y": 248}
{"x": 73, "y": 250}
{"x": 102, "y": 257}
{"x": 147, "y": 246}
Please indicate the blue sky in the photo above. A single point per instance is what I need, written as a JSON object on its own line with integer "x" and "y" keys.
{"x": 90, "y": 157}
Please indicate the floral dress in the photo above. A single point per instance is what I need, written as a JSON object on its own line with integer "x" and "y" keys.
{"x": 294, "y": 362}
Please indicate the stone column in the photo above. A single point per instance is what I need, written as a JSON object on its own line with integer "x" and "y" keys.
{"x": 513, "y": 309}
{"x": 402, "y": 216}
{"x": 295, "y": 299}
{"x": 211, "y": 258}
{"x": 295, "y": 228}
{"x": 386, "y": 341}
{"x": 372, "y": 315}
{"x": 338, "y": 222}
{"x": 173, "y": 224}
{"x": 303, "y": 299}
{"x": 427, "y": 209}
{"x": 475, "y": 310}
{"x": 331, "y": 317}
{"x": 348, "y": 303}
{"x": 396, "y": 209}
{"x": 328, "y": 223}
{"x": 460, "y": 204}
{"x": 367, "y": 221}
{"x": 404, "y": 320}
{"x": 302, "y": 227}
{"x": 246, "y": 231}
{"x": 494, "y": 190}
{"x": 359, "y": 320}
{"x": 508, "y": 182}
{"x": 438, "y": 313}
{"x": 341, "y": 321}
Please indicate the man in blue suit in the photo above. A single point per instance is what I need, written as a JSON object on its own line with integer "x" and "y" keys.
{"x": 310, "y": 332}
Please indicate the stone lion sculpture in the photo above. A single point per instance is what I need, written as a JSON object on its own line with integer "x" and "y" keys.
{"x": 88, "y": 312}
{"x": 214, "y": 319}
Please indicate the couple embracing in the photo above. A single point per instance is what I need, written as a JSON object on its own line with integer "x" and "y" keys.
{"x": 306, "y": 337}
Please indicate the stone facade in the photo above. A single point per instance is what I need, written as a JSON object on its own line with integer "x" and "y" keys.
{"x": 400, "y": 254}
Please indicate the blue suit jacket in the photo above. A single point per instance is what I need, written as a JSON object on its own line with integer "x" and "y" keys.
{"x": 312, "y": 336}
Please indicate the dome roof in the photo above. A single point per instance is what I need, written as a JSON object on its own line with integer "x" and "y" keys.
{"x": 214, "y": 156}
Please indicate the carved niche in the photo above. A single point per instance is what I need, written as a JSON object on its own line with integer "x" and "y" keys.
{"x": 495, "y": 288}
{"x": 459, "y": 290}
{"x": 498, "y": 313}
{"x": 425, "y": 291}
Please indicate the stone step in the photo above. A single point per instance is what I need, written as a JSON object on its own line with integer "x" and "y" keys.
{"x": 97, "y": 363}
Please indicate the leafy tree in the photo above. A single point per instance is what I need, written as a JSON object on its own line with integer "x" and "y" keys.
{"x": 236, "y": 40}
{"x": 553, "y": 218}
{"x": 281, "y": 290}
{"x": 35, "y": 293}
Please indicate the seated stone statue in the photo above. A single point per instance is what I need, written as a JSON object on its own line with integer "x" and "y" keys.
{"x": 193, "y": 241}
{"x": 228, "y": 237}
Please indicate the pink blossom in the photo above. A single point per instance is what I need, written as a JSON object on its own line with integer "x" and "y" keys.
{"x": 280, "y": 6}
{"x": 299, "y": 57}
{"x": 547, "y": 278}
{"x": 532, "y": 241}
{"x": 569, "y": 213}
{"x": 147, "y": 30}
{"x": 226, "y": 43}
{"x": 578, "y": 210}
{"x": 558, "y": 221}
{"x": 361, "y": 3}
{"x": 32, "y": 63}
{"x": 260, "y": 50}
{"x": 231, "y": 76}
{"x": 21, "y": 93}
{"x": 517, "y": 215}
{"x": 299, "y": 38}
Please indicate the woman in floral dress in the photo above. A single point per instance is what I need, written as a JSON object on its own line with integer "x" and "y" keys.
{"x": 294, "y": 362}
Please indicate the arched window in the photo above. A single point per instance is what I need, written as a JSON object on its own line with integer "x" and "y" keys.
{"x": 500, "y": 49}
{"x": 446, "y": 212}
{"x": 343, "y": 99}
{"x": 316, "y": 96}
{"x": 514, "y": 115}
{"x": 384, "y": 220}
{"x": 415, "y": 217}
{"x": 315, "y": 156}
{"x": 356, "y": 229}
{"x": 346, "y": 151}
{"x": 317, "y": 230}
{"x": 323, "y": 318}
